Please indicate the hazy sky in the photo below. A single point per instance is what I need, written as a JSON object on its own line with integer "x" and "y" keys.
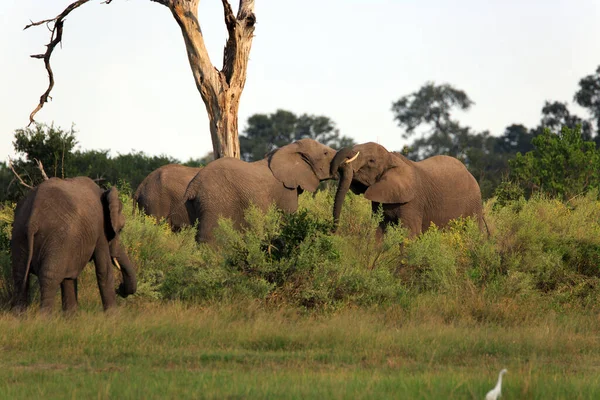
{"x": 123, "y": 78}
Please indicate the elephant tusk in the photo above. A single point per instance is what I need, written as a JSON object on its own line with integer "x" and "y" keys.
{"x": 348, "y": 161}
{"x": 116, "y": 263}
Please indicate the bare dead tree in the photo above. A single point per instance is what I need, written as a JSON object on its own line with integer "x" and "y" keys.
{"x": 221, "y": 90}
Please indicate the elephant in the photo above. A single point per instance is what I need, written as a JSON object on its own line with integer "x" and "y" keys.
{"x": 161, "y": 194}
{"x": 437, "y": 189}
{"x": 227, "y": 186}
{"x": 61, "y": 225}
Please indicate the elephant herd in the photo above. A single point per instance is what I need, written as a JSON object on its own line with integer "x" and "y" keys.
{"x": 64, "y": 223}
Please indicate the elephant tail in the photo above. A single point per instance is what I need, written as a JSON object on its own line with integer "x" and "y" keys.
{"x": 133, "y": 205}
{"x": 30, "y": 235}
{"x": 486, "y": 226}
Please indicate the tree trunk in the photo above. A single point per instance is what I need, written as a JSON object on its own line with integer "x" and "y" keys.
{"x": 220, "y": 90}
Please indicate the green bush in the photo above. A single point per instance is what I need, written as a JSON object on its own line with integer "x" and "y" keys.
{"x": 561, "y": 165}
{"x": 542, "y": 254}
{"x": 6, "y": 217}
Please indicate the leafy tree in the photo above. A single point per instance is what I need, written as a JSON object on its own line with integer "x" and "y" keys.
{"x": 200, "y": 162}
{"x": 265, "y": 132}
{"x": 52, "y": 146}
{"x": 96, "y": 164}
{"x": 588, "y": 96}
{"x": 430, "y": 108}
{"x": 555, "y": 115}
{"x": 135, "y": 166}
{"x": 561, "y": 165}
{"x": 516, "y": 138}
{"x": 9, "y": 188}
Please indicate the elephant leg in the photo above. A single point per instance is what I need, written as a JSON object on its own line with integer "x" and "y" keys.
{"x": 205, "y": 229}
{"x": 21, "y": 294}
{"x": 411, "y": 218}
{"x": 69, "y": 295}
{"x": 48, "y": 288}
{"x": 104, "y": 275}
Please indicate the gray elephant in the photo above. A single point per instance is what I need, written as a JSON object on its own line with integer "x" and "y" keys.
{"x": 227, "y": 186}
{"x": 436, "y": 189}
{"x": 58, "y": 227}
{"x": 161, "y": 194}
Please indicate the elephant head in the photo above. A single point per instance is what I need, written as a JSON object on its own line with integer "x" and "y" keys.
{"x": 302, "y": 164}
{"x": 370, "y": 169}
{"x": 114, "y": 221}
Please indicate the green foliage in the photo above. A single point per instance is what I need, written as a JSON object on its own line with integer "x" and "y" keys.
{"x": 429, "y": 111}
{"x": 52, "y": 146}
{"x": 265, "y": 132}
{"x": 507, "y": 192}
{"x": 560, "y": 165}
{"x": 541, "y": 252}
{"x": 556, "y": 115}
{"x": 6, "y": 217}
{"x": 588, "y": 96}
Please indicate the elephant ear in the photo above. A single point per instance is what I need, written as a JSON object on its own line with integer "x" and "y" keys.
{"x": 293, "y": 167}
{"x": 113, "y": 211}
{"x": 396, "y": 184}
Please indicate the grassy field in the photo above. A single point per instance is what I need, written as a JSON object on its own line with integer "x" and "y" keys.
{"x": 287, "y": 310}
{"x": 247, "y": 351}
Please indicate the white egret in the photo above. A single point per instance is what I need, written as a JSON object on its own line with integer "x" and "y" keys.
{"x": 496, "y": 392}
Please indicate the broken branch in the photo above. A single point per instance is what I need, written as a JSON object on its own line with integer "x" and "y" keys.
{"x": 41, "y": 168}
{"x": 55, "y": 38}
{"x": 12, "y": 167}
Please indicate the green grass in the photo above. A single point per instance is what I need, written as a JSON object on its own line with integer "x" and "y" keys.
{"x": 285, "y": 309}
{"x": 245, "y": 351}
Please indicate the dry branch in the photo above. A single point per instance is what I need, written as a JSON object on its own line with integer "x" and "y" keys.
{"x": 55, "y": 39}
{"x": 39, "y": 165}
{"x": 41, "y": 168}
{"x": 12, "y": 168}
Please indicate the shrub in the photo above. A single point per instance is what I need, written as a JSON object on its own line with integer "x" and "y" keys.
{"x": 563, "y": 165}
{"x": 543, "y": 254}
{"x": 6, "y": 218}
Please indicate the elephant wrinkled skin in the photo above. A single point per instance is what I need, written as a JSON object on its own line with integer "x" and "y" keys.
{"x": 161, "y": 194}
{"x": 227, "y": 186}
{"x": 58, "y": 227}
{"x": 437, "y": 189}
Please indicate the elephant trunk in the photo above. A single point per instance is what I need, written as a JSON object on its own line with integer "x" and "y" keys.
{"x": 346, "y": 175}
{"x": 129, "y": 284}
{"x": 340, "y": 166}
{"x": 341, "y": 157}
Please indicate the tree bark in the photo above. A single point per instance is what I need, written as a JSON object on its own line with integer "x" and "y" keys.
{"x": 220, "y": 90}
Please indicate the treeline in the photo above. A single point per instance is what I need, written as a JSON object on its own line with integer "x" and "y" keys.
{"x": 426, "y": 116}
{"x": 55, "y": 149}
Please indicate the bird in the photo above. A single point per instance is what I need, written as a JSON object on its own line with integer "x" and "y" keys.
{"x": 496, "y": 392}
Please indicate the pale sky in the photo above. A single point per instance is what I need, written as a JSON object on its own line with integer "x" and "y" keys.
{"x": 123, "y": 78}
